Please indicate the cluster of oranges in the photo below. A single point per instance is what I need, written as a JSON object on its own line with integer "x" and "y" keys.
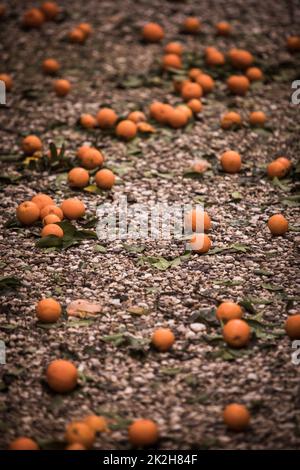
{"x": 80, "y": 33}
{"x": 36, "y": 17}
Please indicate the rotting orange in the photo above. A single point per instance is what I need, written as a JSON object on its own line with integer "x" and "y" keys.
{"x": 223, "y": 28}
{"x": 206, "y": 82}
{"x": 191, "y": 90}
{"x": 106, "y": 118}
{"x": 78, "y": 432}
{"x": 236, "y": 333}
{"x": 177, "y": 118}
{"x": 33, "y": 18}
{"x": 240, "y": 58}
{"x": 231, "y": 161}
{"x": 293, "y": 43}
{"x": 23, "y": 443}
{"x": 126, "y": 129}
{"x": 278, "y": 225}
{"x": 50, "y": 66}
{"x": 48, "y": 310}
{"x": 228, "y": 311}
{"x": 276, "y": 169}
{"x": 51, "y": 219}
{"x": 51, "y": 209}
{"x": 254, "y": 74}
{"x": 78, "y": 177}
{"x": 31, "y": 144}
{"x": 231, "y": 119}
{"x": 200, "y": 243}
{"x": 105, "y": 179}
{"x": 52, "y": 229}
{"x": 8, "y": 81}
{"x": 50, "y": 9}
{"x": 236, "y": 417}
{"x": 97, "y": 423}
{"x": 238, "y": 84}
{"x": 163, "y": 339}
{"x": 42, "y": 200}
{"x": 62, "y": 87}
{"x": 27, "y": 212}
{"x": 171, "y": 61}
{"x": 143, "y": 433}
{"x": 200, "y": 166}
{"x": 77, "y": 36}
{"x": 73, "y": 208}
{"x": 136, "y": 117}
{"x": 88, "y": 121}
{"x": 152, "y": 32}
{"x": 61, "y": 376}
{"x": 195, "y": 105}
{"x": 92, "y": 158}
{"x": 292, "y": 326}
{"x": 174, "y": 48}
{"x": 191, "y": 24}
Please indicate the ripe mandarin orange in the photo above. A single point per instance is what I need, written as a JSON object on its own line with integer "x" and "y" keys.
{"x": 276, "y": 169}
{"x": 27, "y": 213}
{"x": 105, "y": 179}
{"x": 51, "y": 209}
{"x": 292, "y": 326}
{"x": 78, "y": 177}
{"x": 191, "y": 25}
{"x": 195, "y": 105}
{"x": 23, "y": 443}
{"x": 52, "y": 229}
{"x": 42, "y": 200}
{"x": 126, "y": 129}
{"x": 153, "y": 32}
{"x": 136, "y": 117}
{"x": 31, "y": 144}
{"x": 254, "y": 74}
{"x": 228, "y": 311}
{"x": 33, "y": 18}
{"x": 51, "y": 219}
{"x": 62, "y": 87}
{"x": 50, "y": 66}
{"x": 231, "y": 161}
{"x": 92, "y": 158}
{"x": 106, "y": 118}
{"x": 48, "y": 310}
{"x": 163, "y": 339}
{"x": 236, "y": 417}
{"x": 174, "y": 48}
{"x": 191, "y": 90}
{"x": 61, "y": 376}
{"x": 240, "y": 58}
{"x": 257, "y": 118}
{"x": 206, "y": 82}
{"x": 231, "y": 119}
{"x": 238, "y": 84}
{"x": 278, "y": 225}
{"x": 73, "y": 208}
{"x": 50, "y": 9}
{"x": 143, "y": 432}
{"x": 88, "y": 121}
{"x": 78, "y": 432}
{"x": 223, "y": 28}
{"x": 236, "y": 333}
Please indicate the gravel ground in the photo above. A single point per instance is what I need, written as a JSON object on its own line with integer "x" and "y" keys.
{"x": 184, "y": 390}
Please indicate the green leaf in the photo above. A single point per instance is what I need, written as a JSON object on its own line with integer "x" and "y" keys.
{"x": 9, "y": 282}
{"x": 134, "y": 248}
{"x": 272, "y": 287}
{"x": 93, "y": 188}
{"x": 100, "y": 249}
{"x": 246, "y": 303}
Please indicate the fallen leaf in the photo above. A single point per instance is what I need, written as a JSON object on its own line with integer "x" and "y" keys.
{"x": 82, "y": 308}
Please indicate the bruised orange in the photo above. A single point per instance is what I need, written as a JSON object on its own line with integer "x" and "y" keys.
{"x": 195, "y": 105}
{"x": 191, "y": 90}
{"x": 238, "y": 84}
{"x": 254, "y": 74}
{"x": 8, "y": 81}
{"x": 206, "y": 82}
{"x": 88, "y": 121}
{"x": 174, "y": 48}
{"x": 292, "y": 326}
{"x": 31, "y": 144}
{"x": 51, "y": 209}
{"x": 278, "y": 225}
{"x": 48, "y": 310}
{"x": 23, "y": 443}
{"x": 231, "y": 161}
{"x": 61, "y": 376}
{"x": 50, "y": 66}
{"x": 171, "y": 61}
{"x": 200, "y": 243}
{"x": 62, "y": 87}
{"x": 78, "y": 177}
{"x": 92, "y": 158}
{"x": 105, "y": 179}
{"x": 236, "y": 333}
{"x": 191, "y": 24}
{"x": 33, "y": 18}
{"x": 106, "y": 118}
{"x": 153, "y": 32}
{"x": 231, "y": 119}
{"x": 240, "y": 58}
{"x": 228, "y": 311}
{"x": 42, "y": 200}
{"x": 73, "y": 208}
{"x": 143, "y": 433}
{"x": 52, "y": 229}
{"x": 236, "y": 417}
{"x": 126, "y": 129}
{"x": 223, "y": 28}
{"x": 163, "y": 339}
{"x": 28, "y": 213}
